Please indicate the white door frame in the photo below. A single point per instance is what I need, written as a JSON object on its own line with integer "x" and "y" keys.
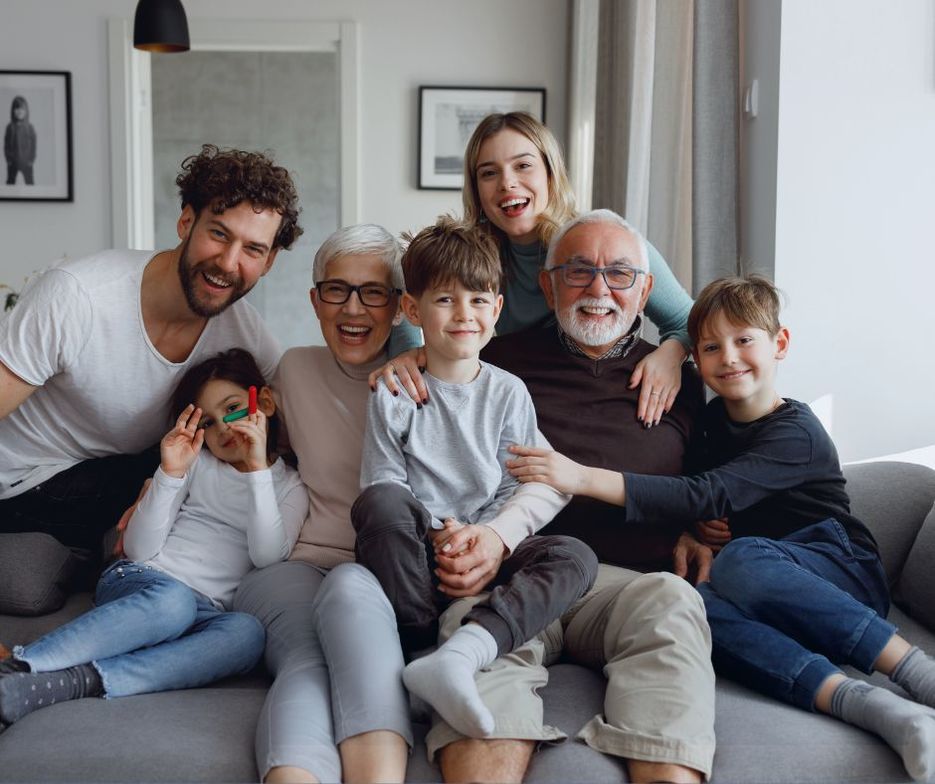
{"x": 582, "y": 100}
{"x": 131, "y": 126}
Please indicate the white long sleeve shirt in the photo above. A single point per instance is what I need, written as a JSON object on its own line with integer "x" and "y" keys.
{"x": 212, "y": 526}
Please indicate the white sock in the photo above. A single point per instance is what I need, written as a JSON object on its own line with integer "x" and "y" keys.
{"x": 908, "y": 727}
{"x": 445, "y": 679}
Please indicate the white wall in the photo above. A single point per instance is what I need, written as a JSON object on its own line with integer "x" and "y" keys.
{"x": 855, "y": 208}
{"x": 402, "y": 44}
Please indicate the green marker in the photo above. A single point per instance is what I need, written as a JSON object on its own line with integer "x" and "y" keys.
{"x": 248, "y": 411}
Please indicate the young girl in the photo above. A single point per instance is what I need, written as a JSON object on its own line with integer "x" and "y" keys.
{"x": 161, "y": 619}
{"x": 516, "y": 186}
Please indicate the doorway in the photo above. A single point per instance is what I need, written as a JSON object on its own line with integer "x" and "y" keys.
{"x": 287, "y": 88}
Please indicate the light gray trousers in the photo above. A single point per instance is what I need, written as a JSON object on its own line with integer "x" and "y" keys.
{"x": 333, "y": 649}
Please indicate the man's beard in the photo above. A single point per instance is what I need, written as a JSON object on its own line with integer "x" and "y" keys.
{"x": 187, "y": 274}
{"x": 587, "y": 332}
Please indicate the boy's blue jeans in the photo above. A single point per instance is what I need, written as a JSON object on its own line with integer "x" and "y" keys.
{"x": 781, "y": 611}
{"x": 149, "y": 632}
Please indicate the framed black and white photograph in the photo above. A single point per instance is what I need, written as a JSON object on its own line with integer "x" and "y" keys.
{"x": 35, "y": 113}
{"x": 448, "y": 117}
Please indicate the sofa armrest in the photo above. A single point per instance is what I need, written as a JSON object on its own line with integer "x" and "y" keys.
{"x": 915, "y": 591}
{"x": 892, "y": 499}
{"x": 35, "y": 573}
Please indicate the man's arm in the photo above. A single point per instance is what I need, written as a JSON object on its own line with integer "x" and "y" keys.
{"x": 13, "y": 391}
{"x": 42, "y": 335}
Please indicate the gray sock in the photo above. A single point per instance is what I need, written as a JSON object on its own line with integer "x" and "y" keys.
{"x": 916, "y": 674}
{"x": 907, "y": 727}
{"x": 445, "y": 679}
{"x": 23, "y": 692}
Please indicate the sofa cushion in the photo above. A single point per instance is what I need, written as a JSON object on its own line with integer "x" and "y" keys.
{"x": 873, "y": 488}
{"x": 35, "y": 573}
{"x": 186, "y": 735}
{"x": 915, "y": 590}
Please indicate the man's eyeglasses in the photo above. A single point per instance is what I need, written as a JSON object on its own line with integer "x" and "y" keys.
{"x": 337, "y": 292}
{"x": 580, "y": 276}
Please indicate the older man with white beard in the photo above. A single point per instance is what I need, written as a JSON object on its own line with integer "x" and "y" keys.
{"x": 645, "y": 629}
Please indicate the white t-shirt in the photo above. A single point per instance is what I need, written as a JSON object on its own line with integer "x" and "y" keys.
{"x": 77, "y": 333}
{"x": 213, "y": 525}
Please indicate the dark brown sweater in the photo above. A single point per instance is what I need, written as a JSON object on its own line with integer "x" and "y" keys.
{"x": 587, "y": 412}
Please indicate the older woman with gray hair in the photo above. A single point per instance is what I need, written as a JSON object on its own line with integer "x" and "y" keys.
{"x": 337, "y": 708}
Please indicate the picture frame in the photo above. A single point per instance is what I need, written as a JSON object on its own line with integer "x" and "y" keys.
{"x": 448, "y": 117}
{"x": 35, "y": 114}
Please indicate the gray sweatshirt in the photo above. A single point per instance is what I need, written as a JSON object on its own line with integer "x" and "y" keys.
{"x": 451, "y": 453}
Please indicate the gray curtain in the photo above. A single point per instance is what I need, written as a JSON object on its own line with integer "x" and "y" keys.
{"x": 667, "y": 128}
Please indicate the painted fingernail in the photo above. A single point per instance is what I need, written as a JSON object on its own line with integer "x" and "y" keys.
{"x": 647, "y": 425}
{"x": 419, "y": 406}
{"x": 425, "y": 401}
{"x": 373, "y": 389}
{"x": 395, "y": 393}
{"x": 421, "y": 368}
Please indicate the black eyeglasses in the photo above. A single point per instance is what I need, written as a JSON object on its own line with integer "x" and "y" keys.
{"x": 580, "y": 276}
{"x": 337, "y": 292}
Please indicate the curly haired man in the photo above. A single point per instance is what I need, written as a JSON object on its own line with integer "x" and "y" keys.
{"x": 94, "y": 346}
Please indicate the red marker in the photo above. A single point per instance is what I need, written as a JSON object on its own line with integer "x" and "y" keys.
{"x": 251, "y": 401}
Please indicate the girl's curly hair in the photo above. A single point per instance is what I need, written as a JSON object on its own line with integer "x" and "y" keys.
{"x": 221, "y": 179}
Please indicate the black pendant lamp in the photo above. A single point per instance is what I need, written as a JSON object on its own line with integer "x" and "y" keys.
{"x": 160, "y": 26}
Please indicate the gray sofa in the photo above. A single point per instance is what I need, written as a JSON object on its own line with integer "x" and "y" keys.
{"x": 207, "y": 734}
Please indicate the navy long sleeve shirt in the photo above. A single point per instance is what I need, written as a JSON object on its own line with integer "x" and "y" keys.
{"x": 770, "y": 477}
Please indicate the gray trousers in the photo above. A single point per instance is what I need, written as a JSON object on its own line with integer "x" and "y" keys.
{"x": 333, "y": 649}
{"x": 536, "y": 583}
{"x": 648, "y": 634}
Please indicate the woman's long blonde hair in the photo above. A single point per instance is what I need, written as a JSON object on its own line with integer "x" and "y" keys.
{"x": 561, "y": 205}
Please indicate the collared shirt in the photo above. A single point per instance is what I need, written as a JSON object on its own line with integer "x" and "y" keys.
{"x": 620, "y": 349}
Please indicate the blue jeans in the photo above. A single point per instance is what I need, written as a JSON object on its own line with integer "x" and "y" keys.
{"x": 150, "y": 632}
{"x": 782, "y": 611}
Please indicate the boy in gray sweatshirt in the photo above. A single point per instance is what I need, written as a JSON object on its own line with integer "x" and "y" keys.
{"x": 437, "y": 500}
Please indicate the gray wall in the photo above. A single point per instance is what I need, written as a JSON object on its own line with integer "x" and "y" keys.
{"x": 286, "y": 103}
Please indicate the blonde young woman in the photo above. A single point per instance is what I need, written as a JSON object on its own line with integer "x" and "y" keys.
{"x": 516, "y": 187}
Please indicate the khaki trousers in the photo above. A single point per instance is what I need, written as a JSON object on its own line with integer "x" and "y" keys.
{"x": 649, "y": 636}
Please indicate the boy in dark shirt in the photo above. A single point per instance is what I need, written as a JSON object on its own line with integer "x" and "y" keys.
{"x": 800, "y": 584}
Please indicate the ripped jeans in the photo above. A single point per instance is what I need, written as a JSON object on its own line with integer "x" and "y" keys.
{"x": 150, "y": 632}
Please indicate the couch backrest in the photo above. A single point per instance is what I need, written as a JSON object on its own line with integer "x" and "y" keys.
{"x": 892, "y": 499}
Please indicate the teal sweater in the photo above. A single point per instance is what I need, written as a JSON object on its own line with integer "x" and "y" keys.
{"x": 524, "y": 304}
